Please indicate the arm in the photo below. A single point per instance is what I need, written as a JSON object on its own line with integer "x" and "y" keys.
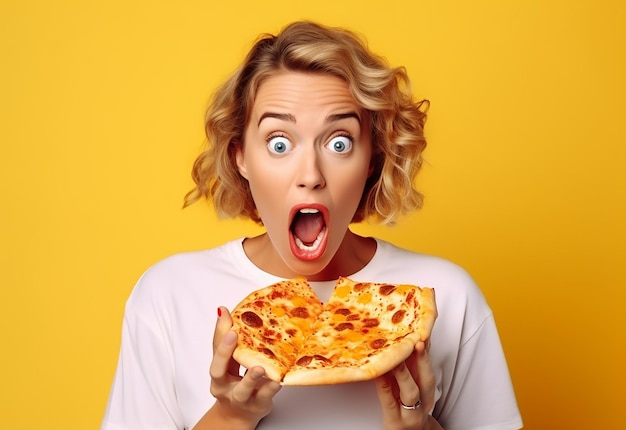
{"x": 411, "y": 382}
{"x": 480, "y": 393}
{"x": 143, "y": 376}
{"x": 241, "y": 401}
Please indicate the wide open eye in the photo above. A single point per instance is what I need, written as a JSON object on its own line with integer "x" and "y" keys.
{"x": 279, "y": 145}
{"x": 340, "y": 144}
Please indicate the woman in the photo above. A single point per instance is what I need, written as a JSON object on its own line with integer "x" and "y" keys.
{"x": 312, "y": 133}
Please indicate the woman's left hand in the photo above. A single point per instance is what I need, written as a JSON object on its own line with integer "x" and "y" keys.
{"x": 407, "y": 393}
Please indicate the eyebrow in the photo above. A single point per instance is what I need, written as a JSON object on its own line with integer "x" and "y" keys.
{"x": 281, "y": 116}
{"x": 340, "y": 116}
{"x": 290, "y": 118}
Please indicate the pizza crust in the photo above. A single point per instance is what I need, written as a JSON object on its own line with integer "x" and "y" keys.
{"x": 249, "y": 358}
{"x": 428, "y": 313}
{"x": 382, "y": 363}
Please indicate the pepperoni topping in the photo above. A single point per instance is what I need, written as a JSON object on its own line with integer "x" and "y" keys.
{"x": 410, "y": 296}
{"x": 300, "y": 312}
{"x": 304, "y": 361}
{"x": 371, "y": 322}
{"x": 321, "y": 358}
{"x": 251, "y": 319}
{"x": 344, "y": 326}
{"x": 360, "y": 286}
{"x": 385, "y": 290}
{"x": 268, "y": 352}
{"x": 343, "y": 311}
{"x": 398, "y": 316}
{"x": 353, "y": 317}
{"x": 276, "y": 293}
{"x": 378, "y": 343}
{"x": 291, "y": 332}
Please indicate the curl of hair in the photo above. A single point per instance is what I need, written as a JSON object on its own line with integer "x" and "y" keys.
{"x": 397, "y": 120}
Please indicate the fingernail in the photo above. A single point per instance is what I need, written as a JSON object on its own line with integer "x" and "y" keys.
{"x": 219, "y": 312}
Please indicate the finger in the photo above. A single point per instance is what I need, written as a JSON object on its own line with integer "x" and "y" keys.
{"x": 252, "y": 383}
{"x": 222, "y": 363}
{"x": 268, "y": 389}
{"x": 223, "y": 325}
{"x": 426, "y": 376}
{"x": 411, "y": 363}
{"x": 386, "y": 389}
{"x": 409, "y": 390}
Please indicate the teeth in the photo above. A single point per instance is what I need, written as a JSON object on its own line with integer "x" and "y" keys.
{"x": 308, "y": 211}
{"x": 314, "y": 245}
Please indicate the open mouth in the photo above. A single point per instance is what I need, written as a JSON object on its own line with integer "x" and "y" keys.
{"x": 308, "y": 231}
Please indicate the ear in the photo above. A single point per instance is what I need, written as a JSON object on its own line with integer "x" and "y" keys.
{"x": 241, "y": 165}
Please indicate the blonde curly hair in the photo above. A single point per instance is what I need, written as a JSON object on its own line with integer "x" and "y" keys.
{"x": 397, "y": 120}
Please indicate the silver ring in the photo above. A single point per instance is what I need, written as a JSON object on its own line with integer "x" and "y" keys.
{"x": 413, "y": 407}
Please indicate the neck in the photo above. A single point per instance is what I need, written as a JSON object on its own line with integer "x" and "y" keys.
{"x": 354, "y": 253}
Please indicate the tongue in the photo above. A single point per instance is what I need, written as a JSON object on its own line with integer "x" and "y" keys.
{"x": 307, "y": 227}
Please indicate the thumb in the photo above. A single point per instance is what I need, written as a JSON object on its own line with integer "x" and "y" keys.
{"x": 223, "y": 325}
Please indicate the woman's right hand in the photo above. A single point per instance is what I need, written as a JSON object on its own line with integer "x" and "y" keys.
{"x": 241, "y": 401}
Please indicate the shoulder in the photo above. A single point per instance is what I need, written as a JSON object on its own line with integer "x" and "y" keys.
{"x": 187, "y": 266}
{"x": 185, "y": 277}
{"x": 427, "y": 269}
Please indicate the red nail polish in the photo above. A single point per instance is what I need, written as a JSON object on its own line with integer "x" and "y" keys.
{"x": 219, "y": 312}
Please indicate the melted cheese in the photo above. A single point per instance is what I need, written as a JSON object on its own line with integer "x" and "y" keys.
{"x": 342, "y": 291}
{"x": 299, "y": 302}
{"x": 278, "y": 311}
{"x": 365, "y": 298}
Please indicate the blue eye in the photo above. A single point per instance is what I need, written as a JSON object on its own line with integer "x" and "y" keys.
{"x": 340, "y": 144}
{"x": 279, "y": 145}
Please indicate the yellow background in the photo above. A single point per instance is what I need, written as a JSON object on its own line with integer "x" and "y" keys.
{"x": 101, "y": 107}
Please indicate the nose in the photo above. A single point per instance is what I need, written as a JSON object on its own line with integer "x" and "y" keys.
{"x": 309, "y": 172}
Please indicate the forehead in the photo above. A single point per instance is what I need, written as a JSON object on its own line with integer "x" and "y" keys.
{"x": 303, "y": 92}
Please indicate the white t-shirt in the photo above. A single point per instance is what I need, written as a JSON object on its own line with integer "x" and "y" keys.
{"x": 162, "y": 380}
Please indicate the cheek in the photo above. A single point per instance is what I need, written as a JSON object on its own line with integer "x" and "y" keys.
{"x": 350, "y": 188}
{"x": 265, "y": 188}
{"x": 261, "y": 188}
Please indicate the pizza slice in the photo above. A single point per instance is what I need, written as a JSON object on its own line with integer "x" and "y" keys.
{"x": 364, "y": 331}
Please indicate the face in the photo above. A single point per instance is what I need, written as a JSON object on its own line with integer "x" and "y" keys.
{"x": 306, "y": 154}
